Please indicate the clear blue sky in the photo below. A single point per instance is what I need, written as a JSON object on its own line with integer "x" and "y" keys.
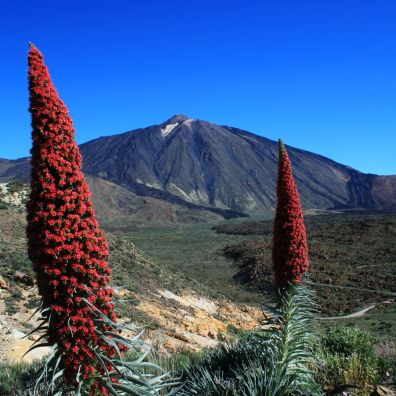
{"x": 319, "y": 74}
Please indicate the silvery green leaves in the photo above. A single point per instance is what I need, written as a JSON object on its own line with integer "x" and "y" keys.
{"x": 119, "y": 376}
{"x": 277, "y": 362}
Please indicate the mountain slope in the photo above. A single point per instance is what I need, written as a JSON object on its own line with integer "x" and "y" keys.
{"x": 192, "y": 162}
{"x": 120, "y": 209}
{"x": 225, "y": 167}
{"x": 14, "y": 169}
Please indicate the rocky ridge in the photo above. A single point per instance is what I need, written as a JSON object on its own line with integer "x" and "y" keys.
{"x": 201, "y": 166}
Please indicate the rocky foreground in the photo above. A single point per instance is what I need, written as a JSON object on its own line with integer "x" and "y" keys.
{"x": 174, "y": 322}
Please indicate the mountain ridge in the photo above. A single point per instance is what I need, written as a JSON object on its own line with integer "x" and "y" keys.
{"x": 188, "y": 162}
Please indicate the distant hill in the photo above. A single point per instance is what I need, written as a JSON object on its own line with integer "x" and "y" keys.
{"x": 192, "y": 162}
{"x": 120, "y": 209}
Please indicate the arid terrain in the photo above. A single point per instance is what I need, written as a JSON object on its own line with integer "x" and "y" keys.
{"x": 352, "y": 256}
{"x": 173, "y": 312}
{"x": 352, "y": 262}
{"x": 191, "y": 286}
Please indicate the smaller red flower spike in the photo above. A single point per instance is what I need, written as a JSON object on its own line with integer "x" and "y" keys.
{"x": 290, "y": 248}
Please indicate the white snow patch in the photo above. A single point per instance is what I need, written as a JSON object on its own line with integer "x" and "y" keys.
{"x": 168, "y": 129}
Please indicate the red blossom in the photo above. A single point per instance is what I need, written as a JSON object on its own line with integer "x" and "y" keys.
{"x": 290, "y": 248}
{"x": 66, "y": 246}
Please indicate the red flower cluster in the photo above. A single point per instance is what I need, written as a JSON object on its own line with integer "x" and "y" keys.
{"x": 66, "y": 246}
{"x": 290, "y": 248}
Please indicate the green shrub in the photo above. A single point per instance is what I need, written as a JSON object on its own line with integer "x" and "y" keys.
{"x": 10, "y": 377}
{"x": 17, "y": 379}
{"x": 386, "y": 354}
{"x": 348, "y": 360}
{"x": 12, "y": 302}
{"x": 15, "y": 186}
{"x": 348, "y": 340}
{"x": 18, "y": 261}
{"x": 33, "y": 302}
{"x": 169, "y": 363}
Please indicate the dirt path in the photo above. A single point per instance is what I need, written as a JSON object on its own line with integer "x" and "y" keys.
{"x": 357, "y": 314}
{"x": 368, "y": 265}
{"x": 360, "y": 313}
{"x": 363, "y": 311}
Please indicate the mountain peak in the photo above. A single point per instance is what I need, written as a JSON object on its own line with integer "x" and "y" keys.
{"x": 201, "y": 163}
{"x": 176, "y": 119}
{"x": 172, "y": 123}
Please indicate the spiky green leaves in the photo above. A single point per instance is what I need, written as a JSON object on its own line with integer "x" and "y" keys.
{"x": 277, "y": 362}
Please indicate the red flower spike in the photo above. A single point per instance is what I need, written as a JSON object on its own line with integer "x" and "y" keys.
{"x": 290, "y": 248}
{"x": 65, "y": 244}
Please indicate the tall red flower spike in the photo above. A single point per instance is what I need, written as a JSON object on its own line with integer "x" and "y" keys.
{"x": 65, "y": 244}
{"x": 290, "y": 248}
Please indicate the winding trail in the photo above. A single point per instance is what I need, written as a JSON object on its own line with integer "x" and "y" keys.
{"x": 357, "y": 314}
{"x": 363, "y": 311}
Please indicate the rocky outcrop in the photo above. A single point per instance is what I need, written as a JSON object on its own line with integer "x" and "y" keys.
{"x": 185, "y": 322}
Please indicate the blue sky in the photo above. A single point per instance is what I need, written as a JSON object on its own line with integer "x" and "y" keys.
{"x": 319, "y": 74}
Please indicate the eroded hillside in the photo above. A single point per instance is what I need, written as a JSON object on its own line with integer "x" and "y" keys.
{"x": 174, "y": 313}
